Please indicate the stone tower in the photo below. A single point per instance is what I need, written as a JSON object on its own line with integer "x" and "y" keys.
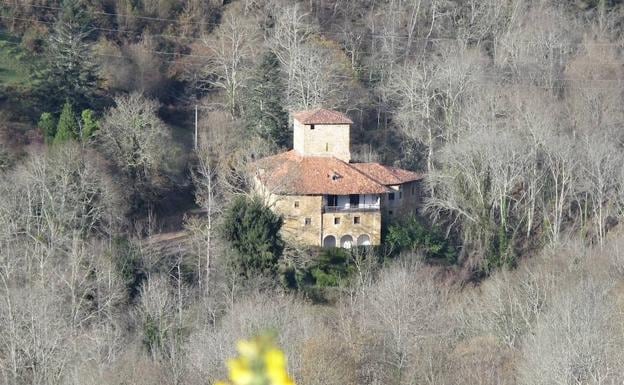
{"x": 322, "y": 133}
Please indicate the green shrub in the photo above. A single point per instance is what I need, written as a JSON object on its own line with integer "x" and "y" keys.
{"x": 47, "y": 125}
{"x": 89, "y": 124}
{"x": 332, "y": 267}
{"x": 152, "y": 335}
{"x": 501, "y": 252}
{"x": 129, "y": 264}
{"x": 413, "y": 235}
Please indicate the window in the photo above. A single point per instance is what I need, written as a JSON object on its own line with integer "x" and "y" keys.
{"x": 326, "y": 146}
{"x": 307, "y": 221}
{"x": 311, "y": 126}
{"x": 336, "y": 220}
{"x": 296, "y": 204}
{"x": 400, "y": 194}
{"x": 391, "y": 196}
{"x": 413, "y": 191}
{"x": 354, "y": 200}
{"x": 332, "y": 200}
{"x": 390, "y": 212}
{"x": 356, "y": 220}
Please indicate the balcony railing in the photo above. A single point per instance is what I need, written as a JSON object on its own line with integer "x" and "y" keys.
{"x": 348, "y": 207}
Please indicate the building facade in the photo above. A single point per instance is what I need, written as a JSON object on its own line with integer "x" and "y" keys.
{"x": 324, "y": 198}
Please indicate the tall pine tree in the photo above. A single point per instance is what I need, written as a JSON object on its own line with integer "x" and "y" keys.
{"x": 70, "y": 72}
{"x": 67, "y": 128}
{"x": 265, "y": 115}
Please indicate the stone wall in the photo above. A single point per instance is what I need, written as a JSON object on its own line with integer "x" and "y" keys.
{"x": 407, "y": 200}
{"x": 302, "y": 218}
{"x": 412, "y": 197}
{"x": 323, "y": 140}
{"x": 305, "y": 224}
{"x": 369, "y": 223}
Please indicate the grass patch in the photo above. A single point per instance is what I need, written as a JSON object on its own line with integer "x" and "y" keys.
{"x": 15, "y": 68}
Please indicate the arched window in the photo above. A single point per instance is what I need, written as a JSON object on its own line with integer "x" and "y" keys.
{"x": 329, "y": 241}
{"x": 363, "y": 240}
{"x": 346, "y": 241}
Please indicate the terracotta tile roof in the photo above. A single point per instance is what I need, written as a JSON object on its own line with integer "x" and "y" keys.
{"x": 322, "y": 116}
{"x": 387, "y": 175}
{"x": 291, "y": 173}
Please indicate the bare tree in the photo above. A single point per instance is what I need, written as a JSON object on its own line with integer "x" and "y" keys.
{"x": 148, "y": 72}
{"x": 533, "y": 122}
{"x": 414, "y": 86}
{"x": 536, "y": 44}
{"x": 317, "y": 71}
{"x": 577, "y": 340}
{"x": 405, "y": 314}
{"x": 601, "y": 182}
{"x": 593, "y": 78}
{"x": 161, "y": 318}
{"x": 206, "y": 196}
{"x": 561, "y": 165}
{"x": 323, "y": 80}
{"x": 34, "y": 336}
{"x": 57, "y": 196}
{"x": 138, "y": 142}
{"x": 255, "y": 313}
{"x": 292, "y": 30}
{"x": 231, "y": 50}
{"x": 462, "y": 189}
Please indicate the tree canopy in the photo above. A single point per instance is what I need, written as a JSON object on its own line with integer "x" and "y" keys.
{"x": 253, "y": 231}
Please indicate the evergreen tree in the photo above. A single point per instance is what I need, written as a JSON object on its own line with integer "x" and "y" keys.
{"x": 47, "y": 125}
{"x": 89, "y": 124}
{"x": 253, "y": 230}
{"x": 74, "y": 13}
{"x": 69, "y": 72}
{"x": 67, "y": 128}
{"x": 265, "y": 114}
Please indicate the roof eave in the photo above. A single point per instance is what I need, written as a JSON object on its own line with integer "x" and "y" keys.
{"x": 314, "y": 193}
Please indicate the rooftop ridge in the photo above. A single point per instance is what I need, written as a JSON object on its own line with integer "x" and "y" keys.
{"x": 321, "y": 116}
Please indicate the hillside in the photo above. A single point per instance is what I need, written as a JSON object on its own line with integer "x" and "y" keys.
{"x": 134, "y": 252}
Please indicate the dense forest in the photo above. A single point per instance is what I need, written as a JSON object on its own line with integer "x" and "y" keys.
{"x": 133, "y": 252}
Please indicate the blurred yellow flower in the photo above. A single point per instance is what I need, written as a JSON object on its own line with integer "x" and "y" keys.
{"x": 240, "y": 371}
{"x": 248, "y": 348}
{"x": 275, "y": 363}
{"x": 259, "y": 362}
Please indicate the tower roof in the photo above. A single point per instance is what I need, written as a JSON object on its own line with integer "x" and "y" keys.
{"x": 322, "y": 116}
